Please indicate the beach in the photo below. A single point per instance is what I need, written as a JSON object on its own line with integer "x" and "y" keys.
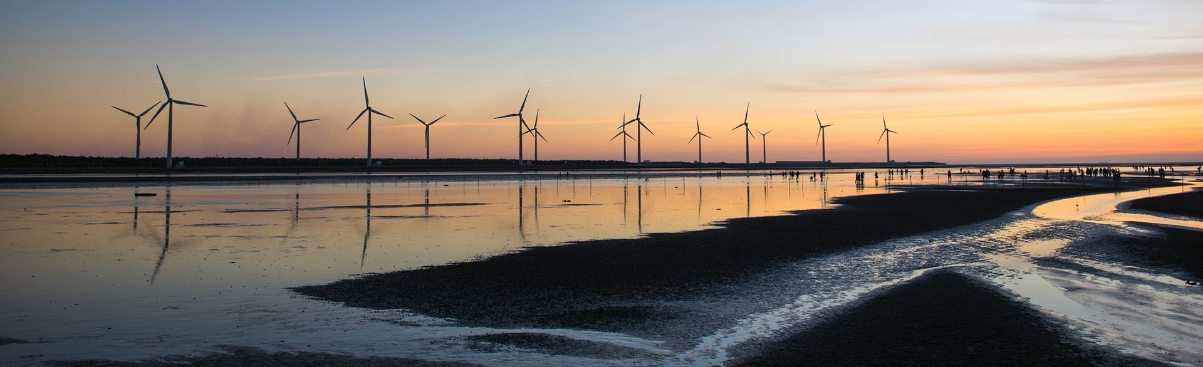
{"x": 921, "y": 275}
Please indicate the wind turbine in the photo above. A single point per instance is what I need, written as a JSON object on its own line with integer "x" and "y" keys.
{"x": 521, "y": 124}
{"x": 296, "y": 129}
{"x": 424, "y": 123}
{"x": 536, "y": 135}
{"x": 698, "y": 135}
{"x": 747, "y": 133}
{"x": 885, "y": 132}
{"x": 764, "y": 139}
{"x": 624, "y": 140}
{"x": 639, "y": 131}
{"x": 823, "y": 133}
{"x": 367, "y": 107}
{"x": 138, "y": 127}
{"x": 170, "y": 105}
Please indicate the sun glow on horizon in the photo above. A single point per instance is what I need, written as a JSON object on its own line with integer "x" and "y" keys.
{"x": 1020, "y": 81}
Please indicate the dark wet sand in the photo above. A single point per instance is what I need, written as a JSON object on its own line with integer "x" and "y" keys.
{"x": 628, "y": 285}
{"x": 555, "y": 345}
{"x": 940, "y": 319}
{"x": 1189, "y": 203}
{"x": 246, "y": 356}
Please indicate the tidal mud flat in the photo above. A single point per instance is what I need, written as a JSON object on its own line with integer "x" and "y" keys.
{"x": 761, "y": 290}
{"x": 679, "y": 288}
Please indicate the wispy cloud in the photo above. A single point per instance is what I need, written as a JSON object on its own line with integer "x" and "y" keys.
{"x": 1001, "y": 74}
{"x": 1100, "y": 107}
{"x": 330, "y": 74}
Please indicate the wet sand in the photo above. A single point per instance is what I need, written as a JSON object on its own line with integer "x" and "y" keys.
{"x": 231, "y": 356}
{"x": 1189, "y": 204}
{"x": 630, "y": 286}
{"x": 940, "y": 319}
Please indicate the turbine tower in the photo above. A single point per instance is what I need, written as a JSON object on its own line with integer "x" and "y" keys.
{"x": 764, "y": 139}
{"x": 747, "y": 133}
{"x": 698, "y": 135}
{"x": 521, "y": 124}
{"x": 536, "y": 135}
{"x": 625, "y": 137}
{"x": 296, "y": 129}
{"x": 170, "y": 105}
{"x": 367, "y": 107}
{"x": 424, "y": 123}
{"x": 885, "y": 132}
{"x": 138, "y": 127}
{"x": 639, "y": 127}
{"x": 822, "y": 133}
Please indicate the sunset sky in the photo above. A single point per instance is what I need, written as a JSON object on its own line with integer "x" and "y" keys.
{"x": 961, "y": 81}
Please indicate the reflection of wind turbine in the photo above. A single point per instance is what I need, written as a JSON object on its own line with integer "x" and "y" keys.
{"x": 367, "y": 108}
{"x": 521, "y": 213}
{"x": 424, "y": 123}
{"x": 747, "y": 133}
{"x": 170, "y": 105}
{"x": 296, "y": 129}
{"x": 639, "y": 127}
{"x": 639, "y": 204}
{"x": 166, "y": 234}
{"x": 885, "y": 132}
{"x": 624, "y": 140}
{"x": 367, "y": 227}
{"x": 698, "y": 135}
{"x": 138, "y": 127}
{"x": 764, "y": 139}
{"x": 521, "y": 124}
{"x": 536, "y": 135}
{"x": 823, "y": 133}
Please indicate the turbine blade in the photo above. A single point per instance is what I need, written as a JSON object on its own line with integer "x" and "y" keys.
{"x": 379, "y": 113}
{"x": 365, "y": 91}
{"x": 419, "y": 120}
{"x": 357, "y": 118}
{"x": 737, "y": 126}
{"x": 520, "y": 108}
{"x": 165, "y": 90}
{"x": 304, "y": 121}
{"x": 152, "y": 118}
{"x": 148, "y": 109}
{"x": 770, "y": 130}
{"x": 188, "y": 103}
{"x": 749, "y": 108}
{"x": 509, "y": 115}
{"x": 883, "y": 133}
{"x": 540, "y": 135}
{"x": 639, "y": 107}
{"x": 708, "y": 136}
{"x": 126, "y": 112}
{"x": 818, "y": 120}
{"x": 817, "y": 136}
{"x": 692, "y": 137}
{"x": 436, "y": 120}
{"x": 620, "y": 133}
{"x": 294, "y": 130}
{"x": 294, "y": 116}
{"x": 536, "y": 119}
{"x": 649, "y": 131}
{"x": 697, "y": 123}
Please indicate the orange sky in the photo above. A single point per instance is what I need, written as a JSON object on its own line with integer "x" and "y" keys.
{"x": 1024, "y": 81}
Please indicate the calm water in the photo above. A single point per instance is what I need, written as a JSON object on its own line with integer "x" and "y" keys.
{"x": 97, "y": 272}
